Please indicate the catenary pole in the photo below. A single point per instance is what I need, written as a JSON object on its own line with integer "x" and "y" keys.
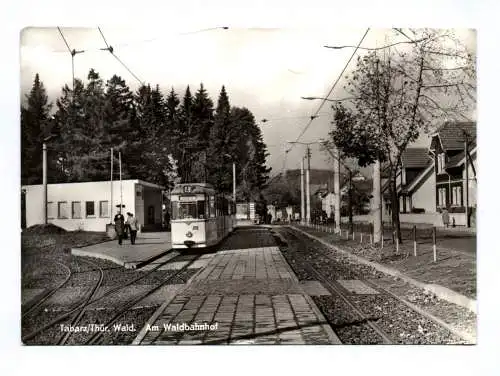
{"x": 302, "y": 208}
{"x": 111, "y": 187}
{"x": 121, "y": 187}
{"x": 44, "y": 157}
{"x": 308, "y": 181}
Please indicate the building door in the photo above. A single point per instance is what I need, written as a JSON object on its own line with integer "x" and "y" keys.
{"x": 151, "y": 215}
{"x": 23, "y": 209}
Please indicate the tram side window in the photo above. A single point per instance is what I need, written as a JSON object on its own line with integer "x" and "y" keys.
{"x": 212, "y": 207}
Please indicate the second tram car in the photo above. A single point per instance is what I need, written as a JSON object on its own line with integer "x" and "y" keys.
{"x": 200, "y": 217}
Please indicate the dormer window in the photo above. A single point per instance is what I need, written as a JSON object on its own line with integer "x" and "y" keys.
{"x": 440, "y": 162}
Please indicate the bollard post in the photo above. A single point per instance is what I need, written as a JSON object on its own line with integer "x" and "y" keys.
{"x": 382, "y": 239}
{"x": 361, "y": 240}
{"x": 434, "y": 243}
{"x": 353, "y": 235}
{"x": 414, "y": 240}
{"x": 347, "y": 234}
{"x": 371, "y": 239}
{"x": 397, "y": 243}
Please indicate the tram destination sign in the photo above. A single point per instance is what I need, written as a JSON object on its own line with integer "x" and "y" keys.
{"x": 187, "y": 198}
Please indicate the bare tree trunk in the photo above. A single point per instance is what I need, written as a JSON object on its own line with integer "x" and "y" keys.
{"x": 396, "y": 226}
{"x": 351, "y": 226}
{"x": 377, "y": 204}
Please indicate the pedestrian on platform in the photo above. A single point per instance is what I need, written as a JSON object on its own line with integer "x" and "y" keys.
{"x": 119, "y": 226}
{"x": 446, "y": 217}
{"x": 133, "y": 226}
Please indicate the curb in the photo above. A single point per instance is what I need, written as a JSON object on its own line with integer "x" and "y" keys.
{"x": 438, "y": 290}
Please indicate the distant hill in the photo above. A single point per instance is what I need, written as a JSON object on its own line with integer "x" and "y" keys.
{"x": 317, "y": 176}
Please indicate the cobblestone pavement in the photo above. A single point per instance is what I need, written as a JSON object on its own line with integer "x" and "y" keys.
{"x": 247, "y": 296}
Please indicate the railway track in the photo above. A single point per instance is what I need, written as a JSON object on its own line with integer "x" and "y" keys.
{"x": 90, "y": 299}
{"x": 360, "y": 309}
{"x": 336, "y": 290}
{"x": 37, "y": 303}
{"x": 98, "y": 337}
{"x": 78, "y": 316}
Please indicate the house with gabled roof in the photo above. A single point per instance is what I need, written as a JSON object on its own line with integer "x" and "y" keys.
{"x": 415, "y": 183}
{"x": 456, "y": 183}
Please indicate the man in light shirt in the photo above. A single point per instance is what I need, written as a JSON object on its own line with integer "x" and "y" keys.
{"x": 133, "y": 226}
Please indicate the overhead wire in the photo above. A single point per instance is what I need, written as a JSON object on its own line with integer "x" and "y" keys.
{"x": 331, "y": 89}
{"x": 111, "y": 50}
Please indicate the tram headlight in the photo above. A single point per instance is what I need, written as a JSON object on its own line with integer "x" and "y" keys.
{"x": 189, "y": 234}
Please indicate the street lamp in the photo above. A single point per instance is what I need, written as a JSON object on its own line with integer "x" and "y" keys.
{"x": 44, "y": 173}
{"x": 234, "y": 175}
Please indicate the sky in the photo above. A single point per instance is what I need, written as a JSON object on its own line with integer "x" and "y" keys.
{"x": 267, "y": 70}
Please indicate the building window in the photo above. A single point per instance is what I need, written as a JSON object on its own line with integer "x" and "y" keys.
{"x": 76, "y": 209}
{"x": 50, "y": 210}
{"x": 62, "y": 210}
{"x": 103, "y": 209}
{"x": 457, "y": 196}
{"x": 441, "y": 162}
{"x": 89, "y": 208}
{"x": 442, "y": 197}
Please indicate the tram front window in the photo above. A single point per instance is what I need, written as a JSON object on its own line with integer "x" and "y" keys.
{"x": 188, "y": 210}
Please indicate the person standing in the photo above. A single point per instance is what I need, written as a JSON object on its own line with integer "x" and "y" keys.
{"x": 446, "y": 217}
{"x": 133, "y": 226}
{"x": 119, "y": 226}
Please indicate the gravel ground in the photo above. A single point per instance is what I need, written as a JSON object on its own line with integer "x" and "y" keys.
{"x": 455, "y": 269}
{"x": 403, "y": 325}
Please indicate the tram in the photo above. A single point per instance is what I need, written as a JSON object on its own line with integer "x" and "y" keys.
{"x": 200, "y": 217}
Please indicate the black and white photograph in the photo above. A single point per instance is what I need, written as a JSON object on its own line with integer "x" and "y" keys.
{"x": 170, "y": 195}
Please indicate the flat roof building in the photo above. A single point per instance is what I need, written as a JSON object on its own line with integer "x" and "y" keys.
{"x": 87, "y": 206}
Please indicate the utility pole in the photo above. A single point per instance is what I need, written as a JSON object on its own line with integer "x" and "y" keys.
{"x": 302, "y": 207}
{"x": 121, "y": 187}
{"x": 336, "y": 186}
{"x": 350, "y": 202}
{"x": 308, "y": 193}
{"x": 111, "y": 188}
{"x": 467, "y": 222}
{"x": 44, "y": 157}
{"x": 234, "y": 182}
{"x": 377, "y": 203}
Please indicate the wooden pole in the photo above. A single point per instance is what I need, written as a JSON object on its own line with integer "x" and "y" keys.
{"x": 44, "y": 178}
{"x": 121, "y": 186}
{"x": 302, "y": 203}
{"x": 467, "y": 222}
{"x": 434, "y": 243}
{"x": 414, "y": 240}
{"x": 111, "y": 189}
{"x": 308, "y": 193}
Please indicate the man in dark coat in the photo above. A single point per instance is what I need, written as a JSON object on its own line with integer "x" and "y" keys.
{"x": 119, "y": 226}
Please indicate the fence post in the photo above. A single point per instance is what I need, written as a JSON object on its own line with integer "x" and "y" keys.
{"x": 434, "y": 243}
{"x": 414, "y": 240}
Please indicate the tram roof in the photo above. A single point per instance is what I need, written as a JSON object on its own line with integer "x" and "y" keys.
{"x": 196, "y": 188}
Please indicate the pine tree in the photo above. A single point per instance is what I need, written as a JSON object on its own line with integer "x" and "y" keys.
{"x": 219, "y": 165}
{"x": 35, "y": 126}
{"x": 202, "y": 122}
{"x": 186, "y": 142}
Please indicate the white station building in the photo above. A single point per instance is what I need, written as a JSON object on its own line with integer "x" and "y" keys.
{"x": 86, "y": 206}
